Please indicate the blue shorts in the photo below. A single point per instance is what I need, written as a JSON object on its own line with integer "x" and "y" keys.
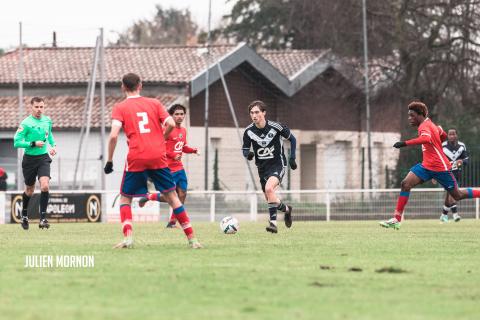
{"x": 445, "y": 178}
{"x": 134, "y": 184}
{"x": 180, "y": 179}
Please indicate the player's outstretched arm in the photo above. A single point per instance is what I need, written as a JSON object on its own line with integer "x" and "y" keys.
{"x": 112, "y": 144}
{"x": 169, "y": 125}
{"x": 399, "y": 144}
{"x": 247, "y": 143}
{"x": 188, "y": 149}
{"x": 51, "y": 141}
{"x": 293, "y": 148}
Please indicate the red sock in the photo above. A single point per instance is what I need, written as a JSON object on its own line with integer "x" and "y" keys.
{"x": 182, "y": 217}
{"x": 476, "y": 193}
{"x": 126, "y": 219}
{"x": 173, "y": 219}
{"x": 401, "y": 203}
{"x": 153, "y": 196}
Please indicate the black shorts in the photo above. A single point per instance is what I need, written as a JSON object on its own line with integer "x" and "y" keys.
{"x": 35, "y": 166}
{"x": 272, "y": 171}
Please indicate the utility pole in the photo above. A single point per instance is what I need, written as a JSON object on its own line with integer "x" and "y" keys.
{"x": 207, "y": 59}
{"x": 21, "y": 110}
{"x": 367, "y": 93}
{"x": 102, "y": 109}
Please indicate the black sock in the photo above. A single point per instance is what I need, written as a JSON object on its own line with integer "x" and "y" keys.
{"x": 454, "y": 208}
{"x": 445, "y": 209}
{"x": 43, "y": 203}
{"x": 25, "y": 200}
{"x": 272, "y": 210}
{"x": 282, "y": 207}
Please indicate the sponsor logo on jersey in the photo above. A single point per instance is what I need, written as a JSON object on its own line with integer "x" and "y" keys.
{"x": 178, "y": 146}
{"x": 265, "y": 153}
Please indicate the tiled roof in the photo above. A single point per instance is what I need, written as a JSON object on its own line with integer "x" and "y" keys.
{"x": 173, "y": 64}
{"x": 66, "y": 111}
{"x": 290, "y": 62}
{"x": 166, "y": 64}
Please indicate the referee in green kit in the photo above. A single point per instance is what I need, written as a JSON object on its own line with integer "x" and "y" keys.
{"x": 33, "y": 134}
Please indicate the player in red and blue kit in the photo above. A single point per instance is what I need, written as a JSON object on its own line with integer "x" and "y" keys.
{"x": 435, "y": 164}
{"x": 141, "y": 119}
{"x": 176, "y": 145}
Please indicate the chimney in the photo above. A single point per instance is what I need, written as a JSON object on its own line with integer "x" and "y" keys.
{"x": 54, "y": 43}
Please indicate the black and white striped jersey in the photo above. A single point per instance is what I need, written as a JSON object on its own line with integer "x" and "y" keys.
{"x": 455, "y": 152}
{"x": 267, "y": 143}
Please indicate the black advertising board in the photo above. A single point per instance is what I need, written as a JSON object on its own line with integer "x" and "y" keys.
{"x": 68, "y": 207}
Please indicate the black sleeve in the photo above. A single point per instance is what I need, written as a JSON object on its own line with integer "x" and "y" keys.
{"x": 464, "y": 156}
{"x": 285, "y": 132}
{"x": 247, "y": 142}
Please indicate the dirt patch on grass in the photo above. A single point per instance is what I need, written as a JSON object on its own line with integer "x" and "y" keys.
{"x": 320, "y": 285}
{"x": 326, "y": 267}
{"x": 391, "y": 270}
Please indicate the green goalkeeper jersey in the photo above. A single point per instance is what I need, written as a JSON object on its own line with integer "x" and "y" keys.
{"x": 33, "y": 129}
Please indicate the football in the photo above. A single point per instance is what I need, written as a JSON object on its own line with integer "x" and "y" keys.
{"x": 229, "y": 225}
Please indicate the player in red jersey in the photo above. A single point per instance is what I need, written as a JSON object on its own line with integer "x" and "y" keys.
{"x": 142, "y": 119}
{"x": 176, "y": 145}
{"x": 435, "y": 164}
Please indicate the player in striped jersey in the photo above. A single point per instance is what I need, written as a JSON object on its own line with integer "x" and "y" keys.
{"x": 266, "y": 139}
{"x": 456, "y": 153}
{"x": 435, "y": 164}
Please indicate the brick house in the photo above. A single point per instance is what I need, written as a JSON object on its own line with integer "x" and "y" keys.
{"x": 301, "y": 87}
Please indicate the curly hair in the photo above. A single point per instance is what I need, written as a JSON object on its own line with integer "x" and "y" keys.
{"x": 176, "y": 107}
{"x": 419, "y": 108}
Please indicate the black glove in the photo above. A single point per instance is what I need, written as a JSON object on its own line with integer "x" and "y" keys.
{"x": 250, "y": 155}
{"x": 108, "y": 167}
{"x": 399, "y": 144}
{"x": 292, "y": 163}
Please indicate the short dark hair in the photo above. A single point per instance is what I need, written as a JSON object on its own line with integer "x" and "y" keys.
{"x": 454, "y": 129}
{"x": 176, "y": 107}
{"x": 131, "y": 81}
{"x": 418, "y": 107}
{"x": 36, "y": 99}
{"x": 257, "y": 103}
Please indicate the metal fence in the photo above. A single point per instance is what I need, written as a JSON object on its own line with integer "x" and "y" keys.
{"x": 325, "y": 205}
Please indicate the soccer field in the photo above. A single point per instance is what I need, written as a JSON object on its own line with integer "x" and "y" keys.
{"x": 316, "y": 270}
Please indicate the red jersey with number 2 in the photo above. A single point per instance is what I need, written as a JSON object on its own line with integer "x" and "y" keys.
{"x": 142, "y": 121}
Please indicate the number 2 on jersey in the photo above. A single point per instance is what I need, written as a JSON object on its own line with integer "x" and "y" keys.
{"x": 143, "y": 122}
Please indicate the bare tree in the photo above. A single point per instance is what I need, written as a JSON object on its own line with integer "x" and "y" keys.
{"x": 168, "y": 26}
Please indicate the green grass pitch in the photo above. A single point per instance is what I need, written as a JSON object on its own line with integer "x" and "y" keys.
{"x": 316, "y": 270}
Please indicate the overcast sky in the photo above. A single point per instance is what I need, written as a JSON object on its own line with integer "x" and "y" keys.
{"x": 77, "y": 21}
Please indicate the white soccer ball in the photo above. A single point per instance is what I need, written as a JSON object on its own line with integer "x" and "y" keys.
{"x": 229, "y": 225}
